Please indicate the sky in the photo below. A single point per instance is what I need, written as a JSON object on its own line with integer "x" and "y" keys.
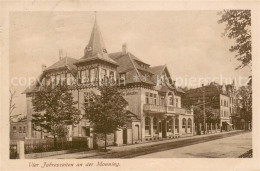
{"x": 188, "y": 42}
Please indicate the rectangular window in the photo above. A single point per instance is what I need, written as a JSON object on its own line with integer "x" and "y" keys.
{"x": 20, "y": 129}
{"x": 155, "y": 99}
{"x": 171, "y": 100}
{"x": 62, "y": 77}
{"x": 111, "y": 75}
{"x": 147, "y": 126}
{"x": 103, "y": 73}
{"x": 122, "y": 76}
{"x": 177, "y": 102}
{"x": 69, "y": 79}
{"x": 151, "y": 98}
{"x": 24, "y": 129}
{"x": 122, "y": 80}
{"x": 83, "y": 77}
{"x": 52, "y": 79}
{"x": 57, "y": 79}
{"x": 92, "y": 74}
{"x": 146, "y": 98}
{"x": 48, "y": 81}
{"x": 162, "y": 101}
{"x": 155, "y": 125}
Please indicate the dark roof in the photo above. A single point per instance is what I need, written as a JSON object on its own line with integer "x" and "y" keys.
{"x": 130, "y": 67}
{"x": 31, "y": 89}
{"x": 65, "y": 63}
{"x": 62, "y": 64}
{"x": 96, "y": 50}
{"x": 132, "y": 116}
{"x": 157, "y": 70}
{"x": 180, "y": 90}
{"x": 212, "y": 89}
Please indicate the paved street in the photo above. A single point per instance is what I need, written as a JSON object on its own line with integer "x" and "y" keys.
{"x": 196, "y": 146}
{"x": 225, "y": 148}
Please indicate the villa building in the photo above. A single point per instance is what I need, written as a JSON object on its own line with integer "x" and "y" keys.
{"x": 154, "y": 102}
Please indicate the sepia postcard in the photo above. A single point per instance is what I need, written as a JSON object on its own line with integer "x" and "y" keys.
{"x": 114, "y": 85}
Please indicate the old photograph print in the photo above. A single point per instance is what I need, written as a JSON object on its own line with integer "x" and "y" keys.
{"x": 130, "y": 84}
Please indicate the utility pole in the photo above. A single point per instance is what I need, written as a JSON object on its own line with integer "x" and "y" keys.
{"x": 204, "y": 113}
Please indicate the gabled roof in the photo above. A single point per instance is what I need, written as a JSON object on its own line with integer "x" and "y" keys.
{"x": 62, "y": 64}
{"x": 157, "y": 70}
{"x": 130, "y": 67}
{"x": 65, "y": 63}
{"x": 96, "y": 50}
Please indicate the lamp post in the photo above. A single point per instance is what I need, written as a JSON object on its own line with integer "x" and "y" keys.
{"x": 204, "y": 113}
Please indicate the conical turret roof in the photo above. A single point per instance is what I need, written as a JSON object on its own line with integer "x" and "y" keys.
{"x": 96, "y": 50}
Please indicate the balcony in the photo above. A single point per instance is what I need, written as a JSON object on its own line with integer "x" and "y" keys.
{"x": 171, "y": 109}
{"x": 154, "y": 108}
{"x": 165, "y": 109}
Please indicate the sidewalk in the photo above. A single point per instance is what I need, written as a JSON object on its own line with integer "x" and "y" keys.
{"x": 116, "y": 149}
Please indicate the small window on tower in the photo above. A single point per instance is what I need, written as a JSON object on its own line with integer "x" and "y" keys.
{"x": 89, "y": 49}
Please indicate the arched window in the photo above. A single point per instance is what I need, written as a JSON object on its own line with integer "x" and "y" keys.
{"x": 189, "y": 126}
{"x": 14, "y": 128}
{"x": 184, "y": 125}
{"x": 147, "y": 125}
{"x": 170, "y": 124}
{"x": 20, "y": 129}
{"x": 176, "y": 125}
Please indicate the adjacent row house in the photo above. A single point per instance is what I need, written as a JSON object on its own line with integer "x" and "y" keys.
{"x": 221, "y": 98}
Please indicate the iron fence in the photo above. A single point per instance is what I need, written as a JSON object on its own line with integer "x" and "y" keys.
{"x": 40, "y": 147}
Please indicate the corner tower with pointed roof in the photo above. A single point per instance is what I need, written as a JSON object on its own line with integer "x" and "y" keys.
{"x": 96, "y": 50}
{"x": 96, "y": 63}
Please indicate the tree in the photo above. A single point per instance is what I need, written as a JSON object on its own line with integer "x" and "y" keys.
{"x": 211, "y": 116}
{"x": 106, "y": 112}
{"x": 12, "y": 105}
{"x": 238, "y": 27}
{"x": 54, "y": 109}
{"x": 245, "y": 98}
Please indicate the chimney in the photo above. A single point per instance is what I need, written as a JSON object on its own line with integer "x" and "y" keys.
{"x": 124, "y": 48}
{"x": 43, "y": 67}
{"x": 60, "y": 54}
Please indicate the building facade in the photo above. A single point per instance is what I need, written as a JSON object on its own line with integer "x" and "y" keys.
{"x": 154, "y": 103}
{"x": 218, "y": 97}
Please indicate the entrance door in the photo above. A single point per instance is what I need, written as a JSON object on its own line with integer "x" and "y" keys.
{"x": 125, "y": 136}
{"x": 136, "y": 132}
{"x": 164, "y": 128}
